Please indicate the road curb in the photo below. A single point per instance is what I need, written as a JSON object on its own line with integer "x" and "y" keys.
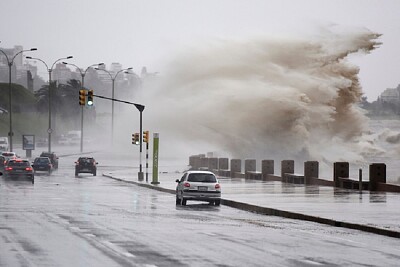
{"x": 280, "y": 213}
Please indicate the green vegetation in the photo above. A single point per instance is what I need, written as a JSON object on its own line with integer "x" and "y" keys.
{"x": 30, "y": 110}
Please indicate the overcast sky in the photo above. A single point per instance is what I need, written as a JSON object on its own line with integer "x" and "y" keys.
{"x": 150, "y": 32}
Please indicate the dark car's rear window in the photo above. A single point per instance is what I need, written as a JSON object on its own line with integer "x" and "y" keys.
{"x": 42, "y": 160}
{"x": 202, "y": 178}
{"x": 18, "y": 163}
{"x": 86, "y": 160}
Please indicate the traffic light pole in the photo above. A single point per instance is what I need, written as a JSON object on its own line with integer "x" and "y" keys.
{"x": 140, "y": 108}
{"x": 140, "y": 174}
{"x": 147, "y": 161}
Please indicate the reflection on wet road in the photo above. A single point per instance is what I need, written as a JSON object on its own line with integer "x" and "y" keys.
{"x": 96, "y": 221}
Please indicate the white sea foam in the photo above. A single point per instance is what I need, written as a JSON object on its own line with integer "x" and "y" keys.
{"x": 266, "y": 98}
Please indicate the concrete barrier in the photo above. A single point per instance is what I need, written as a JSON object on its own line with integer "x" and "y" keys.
{"x": 220, "y": 166}
{"x": 287, "y": 166}
{"x": 349, "y": 183}
{"x": 213, "y": 164}
{"x": 223, "y": 164}
{"x": 293, "y": 178}
{"x": 377, "y": 174}
{"x": 311, "y": 170}
{"x": 250, "y": 169}
{"x": 340, "y": 169}
{"x": 236, "y": 168}
{"x": 203, "y": 163}
{"x": 267, "y": 168}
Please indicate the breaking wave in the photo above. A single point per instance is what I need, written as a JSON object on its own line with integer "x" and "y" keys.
{"x": 267, "y": 98}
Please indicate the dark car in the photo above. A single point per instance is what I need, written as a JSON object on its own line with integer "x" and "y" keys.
{"x": 42, "y": 164}
{"x": 16, "y": 168}
{"x": 53, "y": 158}
{"x": 86, "y": 165}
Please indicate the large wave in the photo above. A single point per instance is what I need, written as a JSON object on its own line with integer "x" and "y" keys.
{"x": 277, "y": 98}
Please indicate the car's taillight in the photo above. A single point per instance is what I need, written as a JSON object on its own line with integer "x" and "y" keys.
{"x": 186, "y": 184}
{"x": 217, "y": 186}
{"x": 28, "y": 168}
{"x": 8, "y": 169}
{"x": 50, "y": 165}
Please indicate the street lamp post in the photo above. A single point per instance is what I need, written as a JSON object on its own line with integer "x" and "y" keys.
{"x": 10, "y": 62}
{"x": 112, "y": 102}
{"x": 83, "y": 74}
{"x": 49, "y": 70}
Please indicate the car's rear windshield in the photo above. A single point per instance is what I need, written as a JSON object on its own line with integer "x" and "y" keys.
{"x": 86, "y": 160}
{"x": 18, "y": 163}
{"x": 42, "y": 160}
{"x": 202, "y": 178}
{"x": 6, "y": 154}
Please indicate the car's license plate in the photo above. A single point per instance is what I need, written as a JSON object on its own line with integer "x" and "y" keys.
{"x": 203, "y": 188}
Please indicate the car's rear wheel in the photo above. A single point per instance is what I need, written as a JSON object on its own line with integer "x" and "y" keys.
{"x": 94, "y": 173}
{"x": 217, "y": 202}
{"x": 76, "y": 174}
{"x": 177, "y": 200}
{"x": 33, "y": 179}
{"x": 183, "y": 202}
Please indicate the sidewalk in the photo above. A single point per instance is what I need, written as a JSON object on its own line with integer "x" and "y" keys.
{"x": 376, "y": 212}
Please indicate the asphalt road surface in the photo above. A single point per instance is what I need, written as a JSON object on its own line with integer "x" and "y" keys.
{"x": 96, "y": 221}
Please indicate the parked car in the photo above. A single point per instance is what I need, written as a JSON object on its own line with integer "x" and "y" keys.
{"x": 42, "y": 164}
{"x": 53, "y": 158}
{"x": 16, "y": 168}
{"x": 200, "y": 186}
{"x": 86, "y": 165}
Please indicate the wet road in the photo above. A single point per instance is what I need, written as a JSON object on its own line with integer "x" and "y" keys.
{"x": 95, "y": 221}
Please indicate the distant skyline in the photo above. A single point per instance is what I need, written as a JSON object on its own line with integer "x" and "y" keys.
{"x": 150, "y": 33}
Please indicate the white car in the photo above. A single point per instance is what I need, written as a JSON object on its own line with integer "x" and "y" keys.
{"x": 9, "y": 155}
{"x": 200, "y": 186}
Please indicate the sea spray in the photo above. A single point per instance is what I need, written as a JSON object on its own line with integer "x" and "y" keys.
{"x": 267, "y": 98}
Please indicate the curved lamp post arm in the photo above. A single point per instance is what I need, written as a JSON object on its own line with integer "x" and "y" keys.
{"x": 125, "y": 71}
{"x": 80, "y": 71}
{"x": 52, "y": 66}
{"x": 32, "y": 49}
{"x": 111, "y": 77}
{"x": 10, "y": 62}
{"x": 35, "y": 58}
{"x": 98, "y": 64}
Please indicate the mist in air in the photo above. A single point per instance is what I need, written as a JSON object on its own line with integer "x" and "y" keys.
{"x": 267, "y": 98}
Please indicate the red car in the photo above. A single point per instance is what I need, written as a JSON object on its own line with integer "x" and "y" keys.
{"x": 16, "y": 168}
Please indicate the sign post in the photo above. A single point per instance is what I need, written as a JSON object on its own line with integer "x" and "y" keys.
{"x": 155, "y": 158}
{"x": 28, "y": 144}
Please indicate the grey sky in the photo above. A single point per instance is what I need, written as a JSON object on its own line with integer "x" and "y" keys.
{"x": 148, "y": 33}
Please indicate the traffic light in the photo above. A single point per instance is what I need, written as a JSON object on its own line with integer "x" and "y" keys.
{"x": 135, "y": 138}
{"x": 82, "y": 97}
{"x": 146, "y": 136}
{"x": 90, "y": 98}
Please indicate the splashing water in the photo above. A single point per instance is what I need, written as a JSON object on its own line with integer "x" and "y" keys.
{"x": 267, "y": 98}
